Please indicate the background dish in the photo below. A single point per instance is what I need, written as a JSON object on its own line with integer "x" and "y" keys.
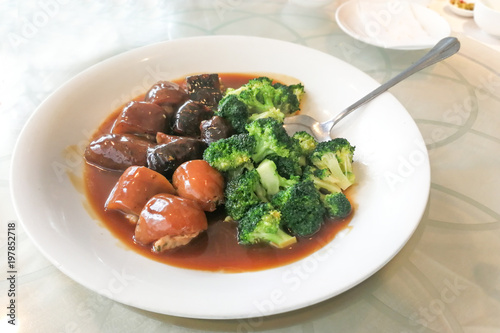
{"x": 487, "y": 15}
{"x": 405, "y": 26}
{"x": 52, "y": 209}
{"x": 461, "y": 11}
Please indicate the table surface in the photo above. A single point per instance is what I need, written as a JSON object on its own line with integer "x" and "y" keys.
{"x": 446, "y": 278}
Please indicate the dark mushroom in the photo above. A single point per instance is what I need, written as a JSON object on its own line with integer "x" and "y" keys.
{"x": 117, "y": 152}
{"x": 204, "y": 89}
{"x": 165, "y": 158}
{"x": 141, "y": 118}
{"x": 166, "y": 93}
{"x": 214, "y": 129}
{"x": 188, "y": 118}
{"x": 162, "y": 138}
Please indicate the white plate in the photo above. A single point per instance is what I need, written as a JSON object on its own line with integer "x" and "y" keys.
{"x": 396, "y": 25}
{"x": 391, "y": 163}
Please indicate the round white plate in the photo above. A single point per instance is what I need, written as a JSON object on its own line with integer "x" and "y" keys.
{"x": 396, "y": 25}
{"x": 391, "y": 163}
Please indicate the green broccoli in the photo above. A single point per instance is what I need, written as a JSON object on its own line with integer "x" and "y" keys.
{"x": 337, "y": 205}
{"x": 288, "y": 97}
{"x": 307, "y": 142}
{"x": 231, "y": 155}
{"x": 345, "y": 153}
{"x": 271, "y": 138}
{"x": 261, "y": 224}
{"x": 257, "y": 94}
{"x": 262, "y": 96}
{"x": 322, "y": 179}
{"x": 271, "y": 180}
{"x": 277, "y": 186}
{"x": 235, "y": 112}
{"x": 271, "y": 113}
{"x": 243, "y": 192}
{"x": 298, "y": 90}
{"x": 287, "y": 167}
{"x": 302, "y": 211}
{"x": 335, "y": 156}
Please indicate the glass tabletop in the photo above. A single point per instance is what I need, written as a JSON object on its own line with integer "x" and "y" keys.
{"x": 445, "y": 279}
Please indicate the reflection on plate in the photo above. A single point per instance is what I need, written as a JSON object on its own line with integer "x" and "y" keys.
{"x": 391, "y": 195}
{"x": 397, "y": 25}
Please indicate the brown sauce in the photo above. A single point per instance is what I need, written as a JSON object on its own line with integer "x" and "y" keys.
{"x": 217, "y": 248}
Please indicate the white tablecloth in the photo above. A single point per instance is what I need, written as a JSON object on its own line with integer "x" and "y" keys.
{"x": 447, "y": 277}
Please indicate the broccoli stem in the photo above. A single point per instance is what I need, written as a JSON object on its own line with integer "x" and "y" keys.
{"x": 261, "y": 152}
{"x": 332, "y": 164}
{"x": 261, "y": 193}
{"x": 281, "y": 239}
{"x": 332, "y": 188}
{"x": 269, "y": 177}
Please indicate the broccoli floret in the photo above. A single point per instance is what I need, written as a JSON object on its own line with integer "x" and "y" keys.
{"x": 286, "y": 167}
{"x": 345, "y": 154}
{"x": 289, "y": 97}
{"x": 301, "y": 208}
{"x": 258, "y": 94}
{"x": 235, "y": 112}
{"x": 243, "y": 192}
{"x": 271, "y": 138}
{"x": 335, "y": 156}
{"x": 307, "y": 142}
{"x": 322, "y": 179}
{"x": 337, "y": 205}
{"x": 271, "y": 180}
{"x": 261, "y": 224}
{"x": 231, "y": 155}
{"x": 298, "y": 90}
{"x": 262, "y": 96}
{"x": 271, "y": 113}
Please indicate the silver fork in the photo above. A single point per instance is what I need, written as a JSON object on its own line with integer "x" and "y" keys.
{"x": 321, "y": 130}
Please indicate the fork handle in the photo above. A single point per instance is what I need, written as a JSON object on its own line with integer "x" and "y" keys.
{"x": 445, "y": 48}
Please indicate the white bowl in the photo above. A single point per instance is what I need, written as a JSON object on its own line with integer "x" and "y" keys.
{"x": 487, "y": 16}
{"x": 460, "y": 11}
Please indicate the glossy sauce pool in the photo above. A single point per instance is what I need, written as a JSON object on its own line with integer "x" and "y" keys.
{"x": 214, "y": 250}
